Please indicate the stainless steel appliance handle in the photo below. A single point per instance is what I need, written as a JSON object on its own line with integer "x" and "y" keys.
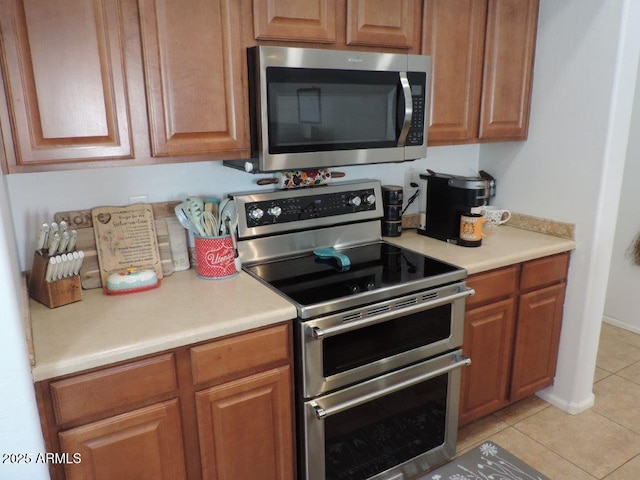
{"x": 317, "y": 332}
{"x": 408, "y": 108}
{"x": 326, "y": 412}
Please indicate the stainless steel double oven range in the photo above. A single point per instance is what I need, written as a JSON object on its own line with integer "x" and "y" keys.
{"x": 378, "y": 335}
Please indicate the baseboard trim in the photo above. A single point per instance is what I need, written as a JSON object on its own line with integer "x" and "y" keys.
{"x": 573, "y": 408}
{"x": 618, "y": 323}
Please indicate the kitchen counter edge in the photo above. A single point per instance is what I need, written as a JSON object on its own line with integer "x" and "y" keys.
{"x": 507, "y": 246}
{"x": 103, "y": 329}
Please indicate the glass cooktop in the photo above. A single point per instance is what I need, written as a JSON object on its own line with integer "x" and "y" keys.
{"x": 377, "y": 271}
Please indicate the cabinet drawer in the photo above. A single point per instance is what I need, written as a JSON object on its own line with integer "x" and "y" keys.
{"x": 240, "y": 354}
{"x": 493, "y": 285}
{"x": 113, "y": 388}
{"x": 545, "y": 271}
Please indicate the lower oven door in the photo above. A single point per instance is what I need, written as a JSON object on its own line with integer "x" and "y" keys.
{"x": 391, "y": 427}
{"x": 348, "y": 347}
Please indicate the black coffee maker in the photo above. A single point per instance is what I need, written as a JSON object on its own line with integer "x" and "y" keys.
{"x": 447, "y": 197}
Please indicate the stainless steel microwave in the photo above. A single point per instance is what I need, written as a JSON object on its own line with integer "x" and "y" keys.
{"x": 312, "y": 108}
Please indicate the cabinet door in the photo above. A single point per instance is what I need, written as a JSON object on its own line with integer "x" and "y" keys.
{"x": 246, "y": 428}
{"x": 193, "y": 63}
{"x": 454, "y": 37}
{"x": 381, "y": 23}
{"x": 64, "y": 75}
{"x": 309, "y": 21}
{"x": 488, "y": 336}
{"x": 536, "y": 341}
{"x": 508, "y": 68}
{"x": 145, "y": 444}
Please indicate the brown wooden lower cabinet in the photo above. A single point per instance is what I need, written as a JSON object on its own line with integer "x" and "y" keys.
{"x": 145, "y": 444}
{"x": 512, "y": 334}
{"x": 220, "y": 410}
{"x": 488, "y": 336}
{"x": 242, "y": 425}
{"x": 537, "y": 339}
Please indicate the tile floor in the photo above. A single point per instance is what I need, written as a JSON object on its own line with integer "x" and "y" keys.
{"x": 600, "y": 443}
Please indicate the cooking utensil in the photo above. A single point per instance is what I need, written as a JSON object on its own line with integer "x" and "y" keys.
{"x": 50, "y": 269}
{"x": 209, "y": 219}
{"x": 72, "y": 241}
{"x": 210, "y": 224}
{"x": 53, "y": 232}
{"x": 184, "y": 218}
{"x": 78, "y": 261}
{"x": 64, "y": 241}
{"x": 301, "y": 178}
{"x": 42, "y": 236}
{"x": 54, "y": 241}
{"x": 330, "y": 253}
{"x": 195, "y": 210}
{"x": 222, "y": 227}
{"x": 232, "y": 226}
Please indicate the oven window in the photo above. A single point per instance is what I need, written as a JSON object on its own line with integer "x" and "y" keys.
{"x": 323, "y": 109}
{"x": 381, "y": 434}
{"x": 366, "y": 345}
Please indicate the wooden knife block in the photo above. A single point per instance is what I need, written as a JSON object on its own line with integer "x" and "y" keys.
{"x": 52, "y": 294}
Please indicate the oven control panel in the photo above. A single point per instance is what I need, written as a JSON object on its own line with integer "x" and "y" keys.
{"x": 321, "y": 205}
{"x": 270, "y": 212}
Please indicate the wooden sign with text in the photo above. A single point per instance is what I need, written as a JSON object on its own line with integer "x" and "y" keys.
{"x": 126, "y": 237}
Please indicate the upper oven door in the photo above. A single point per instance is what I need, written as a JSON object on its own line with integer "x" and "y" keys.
{"x": 349, "y": 347}
{"x": 321, "y": 108}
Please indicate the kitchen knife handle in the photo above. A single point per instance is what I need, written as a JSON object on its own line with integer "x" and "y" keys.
{"x": 41, "y": 241}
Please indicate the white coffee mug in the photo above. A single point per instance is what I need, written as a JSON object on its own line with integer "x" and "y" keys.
{"x": 496, "y": 215}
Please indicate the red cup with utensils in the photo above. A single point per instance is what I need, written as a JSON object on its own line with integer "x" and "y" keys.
{"x": 215, "y": 257}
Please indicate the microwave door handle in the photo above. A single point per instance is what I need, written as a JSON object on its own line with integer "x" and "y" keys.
{"x": 408, "y": 108}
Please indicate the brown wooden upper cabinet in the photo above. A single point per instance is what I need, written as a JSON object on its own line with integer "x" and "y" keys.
{"x": 193, "y": 63}
{"x": 64, "y": 81}
{"x": 310, "y": 21}
{"x": 76, "y": 85}
{"x": 380, "y": 24}
{"x": 482, "y": 60}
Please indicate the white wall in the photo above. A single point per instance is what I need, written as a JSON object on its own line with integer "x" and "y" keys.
{"x": 622, "y": 301}
{"x": 36, "y": 197}
{"x": 19, "y": 426}
{"x": 570, "y": 168}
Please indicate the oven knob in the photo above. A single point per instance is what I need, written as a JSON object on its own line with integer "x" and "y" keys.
{"x": 355, "y": 201}
{"x": 255, "y": 213}
{"x": 370, "y": 199}
{"x": 274, "y": 211}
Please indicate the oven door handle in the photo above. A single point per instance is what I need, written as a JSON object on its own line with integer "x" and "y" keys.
{"x": 320, "y": 412}
{"x": 318, "y": 333}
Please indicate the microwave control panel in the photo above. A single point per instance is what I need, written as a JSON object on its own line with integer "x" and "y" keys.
{"x": 418, "y": 91}
{"x": 296, "y": 208}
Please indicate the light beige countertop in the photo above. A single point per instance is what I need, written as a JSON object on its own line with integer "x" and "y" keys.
{"x": 102, "y": 329}
{"x": 506, "y": 246}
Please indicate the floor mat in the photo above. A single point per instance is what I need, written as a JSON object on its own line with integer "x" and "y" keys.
{"x": 489, "y": 461}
